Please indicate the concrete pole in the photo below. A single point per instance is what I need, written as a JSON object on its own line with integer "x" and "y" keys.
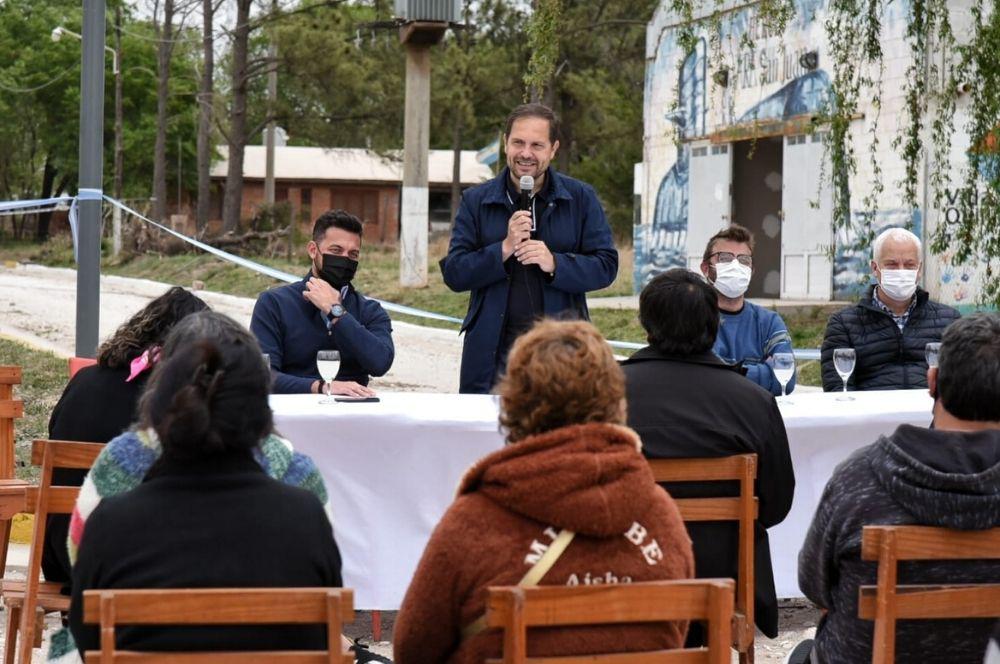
{"x": 272, "y": 98}
{"x": 88, "y": 274}
{"x": 416, "y": 142}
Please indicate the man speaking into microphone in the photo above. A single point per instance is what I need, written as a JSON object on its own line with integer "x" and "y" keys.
{"x": 529, "y": 243}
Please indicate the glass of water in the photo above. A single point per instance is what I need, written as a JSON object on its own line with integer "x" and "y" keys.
{"x": 931, "y": 351}
{"x": 843, "y": 361}
{"x": 328, "y": 364}
{"x": 783, "y": 365}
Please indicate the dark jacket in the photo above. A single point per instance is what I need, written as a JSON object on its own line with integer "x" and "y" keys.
{"x": 574, "y": 229}
{"x": 216, "y": 523}
{"x": 886, "y": 358}
{"x": 511, "y": 505}
{"x": 698, "y": 406}
{"x": 96, "y": 406}
{"x": 915, "y": 476}
{"x": 290, "y": 329}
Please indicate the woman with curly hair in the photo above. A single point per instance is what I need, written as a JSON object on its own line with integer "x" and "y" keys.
{"x": 100, "y": 401}
{"x": 571, "y": 471}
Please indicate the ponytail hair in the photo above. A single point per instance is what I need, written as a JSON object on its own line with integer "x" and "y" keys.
{"x": 208, "y": 395}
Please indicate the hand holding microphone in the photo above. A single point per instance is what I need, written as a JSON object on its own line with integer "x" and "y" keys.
{"x": 521, "y": 224}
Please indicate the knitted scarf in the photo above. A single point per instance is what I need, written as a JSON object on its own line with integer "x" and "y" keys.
{"x": 122, "y": 465}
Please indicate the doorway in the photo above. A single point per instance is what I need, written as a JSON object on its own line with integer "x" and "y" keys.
{"x": 757, "y": 187}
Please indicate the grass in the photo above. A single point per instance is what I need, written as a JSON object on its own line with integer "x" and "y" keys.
{"x": 378, "y": 276}
{"x": 43, "y": 378}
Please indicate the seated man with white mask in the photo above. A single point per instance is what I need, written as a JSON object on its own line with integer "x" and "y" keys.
{"x": 748, "y": 334}
{"x": 891, "y": 325}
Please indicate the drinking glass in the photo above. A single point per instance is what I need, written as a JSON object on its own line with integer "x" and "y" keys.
{"x": 931, "y": 351}
{"x": 783, "y": 365}
{"x": 843, "y": 361}
{"x": 328, "y": 364}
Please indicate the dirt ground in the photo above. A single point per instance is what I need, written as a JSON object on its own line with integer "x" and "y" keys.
{"x": 38, "y": 307}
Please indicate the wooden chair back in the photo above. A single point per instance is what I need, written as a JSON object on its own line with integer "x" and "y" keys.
{"x": 77, "y": 363}
{"x": 888, "y": 601}
{"x": 11, "y": 490}
{"x": 43, "y": 500}
{"x": 516, "y": 609}
{"x": 220, "y": 606}
{"x": 741, "y": 468}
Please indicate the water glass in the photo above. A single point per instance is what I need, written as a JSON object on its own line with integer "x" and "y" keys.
{"x": 783, "y": 365}
{"x": 843, "y": 361}
{"x": 931, "y": 351}
{"x": 328, "y": 364}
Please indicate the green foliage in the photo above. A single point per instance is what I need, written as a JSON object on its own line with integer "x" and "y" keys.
{"x": 975, "y": 234}
{"x": 40, "y": 101}
{"x": 543, "y": 44}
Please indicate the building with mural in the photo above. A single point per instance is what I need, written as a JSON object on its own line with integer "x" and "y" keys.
{"x": 731, "y": 135}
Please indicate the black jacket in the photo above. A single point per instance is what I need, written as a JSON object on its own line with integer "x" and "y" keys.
{"x": 96, "y": 406}
{"x": 887, "y": 358}
{"x": 213, "y": 523}
{"x": 915, "y": 476}
{"x": 699, "y": 406}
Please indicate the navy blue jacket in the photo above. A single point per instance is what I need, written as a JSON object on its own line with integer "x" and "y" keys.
{"x": 290, "y": 329}
{"x": 575, "y": 230}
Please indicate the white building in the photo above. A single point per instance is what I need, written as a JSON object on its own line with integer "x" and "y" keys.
{"x": 750, "y": 152}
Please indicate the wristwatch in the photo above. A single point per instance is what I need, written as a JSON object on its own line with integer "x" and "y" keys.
{"x": 337, "y": 310}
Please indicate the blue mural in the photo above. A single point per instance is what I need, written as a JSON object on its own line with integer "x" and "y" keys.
{"x": 663, "y": 244}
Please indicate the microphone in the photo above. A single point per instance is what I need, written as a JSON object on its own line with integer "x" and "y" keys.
{"x": 527, "y": 185}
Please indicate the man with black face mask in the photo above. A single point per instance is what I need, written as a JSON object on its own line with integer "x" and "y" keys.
{"x": 324, "y": 312}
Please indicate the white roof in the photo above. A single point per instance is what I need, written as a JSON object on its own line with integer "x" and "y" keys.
{"x": 349, "y": 165}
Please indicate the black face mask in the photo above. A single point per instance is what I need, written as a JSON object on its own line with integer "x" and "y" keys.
{"x": 338, "y": 271}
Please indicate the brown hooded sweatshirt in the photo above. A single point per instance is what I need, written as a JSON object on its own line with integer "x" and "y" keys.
{"x": 590, "y": 479}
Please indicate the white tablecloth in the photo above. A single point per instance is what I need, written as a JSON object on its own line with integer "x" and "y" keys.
{"x": 392, "y": 469}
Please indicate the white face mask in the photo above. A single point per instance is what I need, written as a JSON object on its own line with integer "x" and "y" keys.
{"x": 732, "y": 278}
{"x": 899, "y": 284}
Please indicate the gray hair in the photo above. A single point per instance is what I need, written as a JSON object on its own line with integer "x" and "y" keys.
{"x": 900, "y": 234}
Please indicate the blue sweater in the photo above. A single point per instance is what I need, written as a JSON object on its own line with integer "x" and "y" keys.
{"x": 750, "y": 337}
{"x": 290, "y": 329}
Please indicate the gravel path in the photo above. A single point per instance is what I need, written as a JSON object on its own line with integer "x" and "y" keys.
{"x": 38, "y": 307}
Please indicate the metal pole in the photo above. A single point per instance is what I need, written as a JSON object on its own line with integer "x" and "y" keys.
{"x": 416, "y": 142}
{"x": 88, "y": 274}
{"x": 116, "y": 214}
{"x": 272, "y": 98}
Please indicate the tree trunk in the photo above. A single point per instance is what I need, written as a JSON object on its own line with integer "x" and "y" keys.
{"x": 165, "y": 35}
{"x": 456, "y": 167}
{"x": 205, "y": 107}
{"x": 233, "y": 198}
{"x": 48, "y": 179}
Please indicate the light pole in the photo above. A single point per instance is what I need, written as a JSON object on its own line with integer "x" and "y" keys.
{"x": 88, "y": 275}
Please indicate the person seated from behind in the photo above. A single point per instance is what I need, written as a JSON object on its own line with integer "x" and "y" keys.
{"x": 684, "y": 402}
{"x": 749, "y": 335}
{"x": 947, "y": 477}
{"x": 569, "y": 465}
{"x": 325, "y": 312}
{"x": 891, "y": 324}
{"x": 207, "y": 513}
{"x": 101, "y": 401}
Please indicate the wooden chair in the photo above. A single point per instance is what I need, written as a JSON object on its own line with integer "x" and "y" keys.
{"x": 24, "y": 598}
{"x": 11, "y": 489}
{"x": 743, "y": 509}
{"x": 515, "y": 609}
{"x": 888, "y": 602}
{"x": 220, "y": 606}
{"x": 77, "y": 363}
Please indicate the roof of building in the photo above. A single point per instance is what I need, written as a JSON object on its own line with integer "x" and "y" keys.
{"x": 296, "y": 163}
